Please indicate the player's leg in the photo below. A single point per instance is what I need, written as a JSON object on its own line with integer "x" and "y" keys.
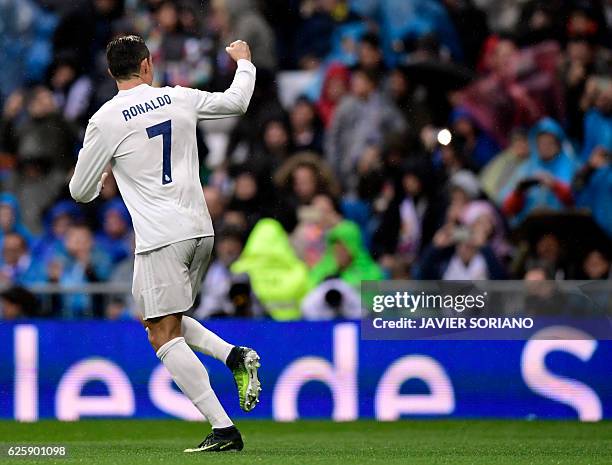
{"x": 191, "y": 377}
{"x": 242, "y": 361}
{"x": 201, "y": 339}
{"x": 162, "y": 291}
{"x": 197, "y": 336}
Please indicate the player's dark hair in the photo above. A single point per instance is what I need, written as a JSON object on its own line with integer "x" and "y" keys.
{"x": 124, "y": 55}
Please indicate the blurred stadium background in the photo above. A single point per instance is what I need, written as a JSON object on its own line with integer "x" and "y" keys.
{"x": 387, "y": 139}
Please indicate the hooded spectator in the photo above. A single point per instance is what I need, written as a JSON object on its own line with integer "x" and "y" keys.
{"x": 544, "y": 180}
{"x": 10, "y": 219}
{"x": 345, "y": 257}
{"x": 57, "y": 222}
{"x": 223, "y": 292}
{"x": 278, "y": 277}
{"x": 116, "y": 236}
{"x": 335, "y": 86}
{"x": 479, "y": 147}
{"x": 593, "y": 188}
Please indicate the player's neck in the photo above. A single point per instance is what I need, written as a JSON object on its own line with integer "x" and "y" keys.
{"x": 130, "y": 83}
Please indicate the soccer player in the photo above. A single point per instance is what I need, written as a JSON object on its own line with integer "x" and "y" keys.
{"x": 148, "y": 135}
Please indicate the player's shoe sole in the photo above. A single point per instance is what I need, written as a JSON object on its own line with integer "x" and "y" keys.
{"x": 244, "y": 363}
{"x": 252, "y": 364}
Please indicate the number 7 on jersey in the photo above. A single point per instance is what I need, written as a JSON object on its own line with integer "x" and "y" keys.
{"x": 165, "y": 130}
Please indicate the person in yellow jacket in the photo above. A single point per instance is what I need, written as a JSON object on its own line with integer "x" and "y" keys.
{"x": 278, "y": 277}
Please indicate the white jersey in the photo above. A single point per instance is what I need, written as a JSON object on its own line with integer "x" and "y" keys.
{"x": 148, "y": 135}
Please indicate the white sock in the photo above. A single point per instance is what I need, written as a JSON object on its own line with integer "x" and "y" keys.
{"x": 191, "y": 376}
{"x": 203, "y": 340}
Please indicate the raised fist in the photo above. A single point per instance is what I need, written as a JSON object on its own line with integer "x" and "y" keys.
{"x": 239, "y": 50}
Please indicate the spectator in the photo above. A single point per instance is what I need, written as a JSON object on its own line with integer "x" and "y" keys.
{"x": 71, "y": 90}
{"x": 57, "y": 222}
{"x": 306, "y": 127}
{"x": 477, "y": 145}
{"x": 345, "y": 257}
{"x": 593, "y": 188}
{"x": 302, "y": 177}
{"x": 10, "y": 218}
{"x": 117, "y": 310}
{"x": 45, "y": 145}
{"x": 279, "y": 278}
{"x": 85, "y": 29}
{"x": 480, "y": 215}
{"x": 248, "y": 198}
{"x": 275, "y": 145}
{"x": 116, "y": 236}
{"x": 502, "y": 168}
{"x": 241, "y": 19}
{"x": 370, "y": 55}
{"x": 319, "y": 21}
{"x": 16, "y": 263}
{"x": 314, "y": 222}
{"x": 596, "y": 265}
{"x": 410, "y": 99}
{"x": 223, "y": 292}
{"x": 546, "y": 250}
{"x": 544, "y": 180}
{"x": 598, "y": 119}
{"x": 121, "y": 305}
{"x": 215, "y": 202}
{"x": 16, "y": 303}
{"x": 82, "y": 263}
{"x": 335, "y": 86}
{"x": 45, "y": 136}
{"x": 332, "y": 299}
{"x": 471, "y": 25}
{"x": 460, "y": 253}
{"x": 412, "y": 216}
{"x": 363, "y": 118}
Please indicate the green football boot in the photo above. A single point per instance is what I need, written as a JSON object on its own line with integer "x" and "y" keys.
{"x": 244, "y": 363}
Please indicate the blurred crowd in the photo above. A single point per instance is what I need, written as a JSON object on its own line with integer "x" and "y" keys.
{"x": 386, "y": 139}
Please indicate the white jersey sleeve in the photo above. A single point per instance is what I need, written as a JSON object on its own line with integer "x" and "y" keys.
{"x": 85, "y": 184}
{"x": 234, "y": 101}
{"x": 149, "y": 136}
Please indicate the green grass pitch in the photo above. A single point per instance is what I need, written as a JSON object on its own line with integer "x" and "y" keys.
{"x": 420, "y": 442}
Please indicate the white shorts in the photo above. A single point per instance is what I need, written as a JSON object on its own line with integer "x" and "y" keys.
{"x": 167, "y": 280}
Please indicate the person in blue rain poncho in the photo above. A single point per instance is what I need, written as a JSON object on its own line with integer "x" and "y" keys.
{"x": 593, "y": 188}
{"x": 10, "y": 219}
{"x": 116, "y": 236}
{"x": 56, "y": 224}
{"x": 543, "y": 181}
